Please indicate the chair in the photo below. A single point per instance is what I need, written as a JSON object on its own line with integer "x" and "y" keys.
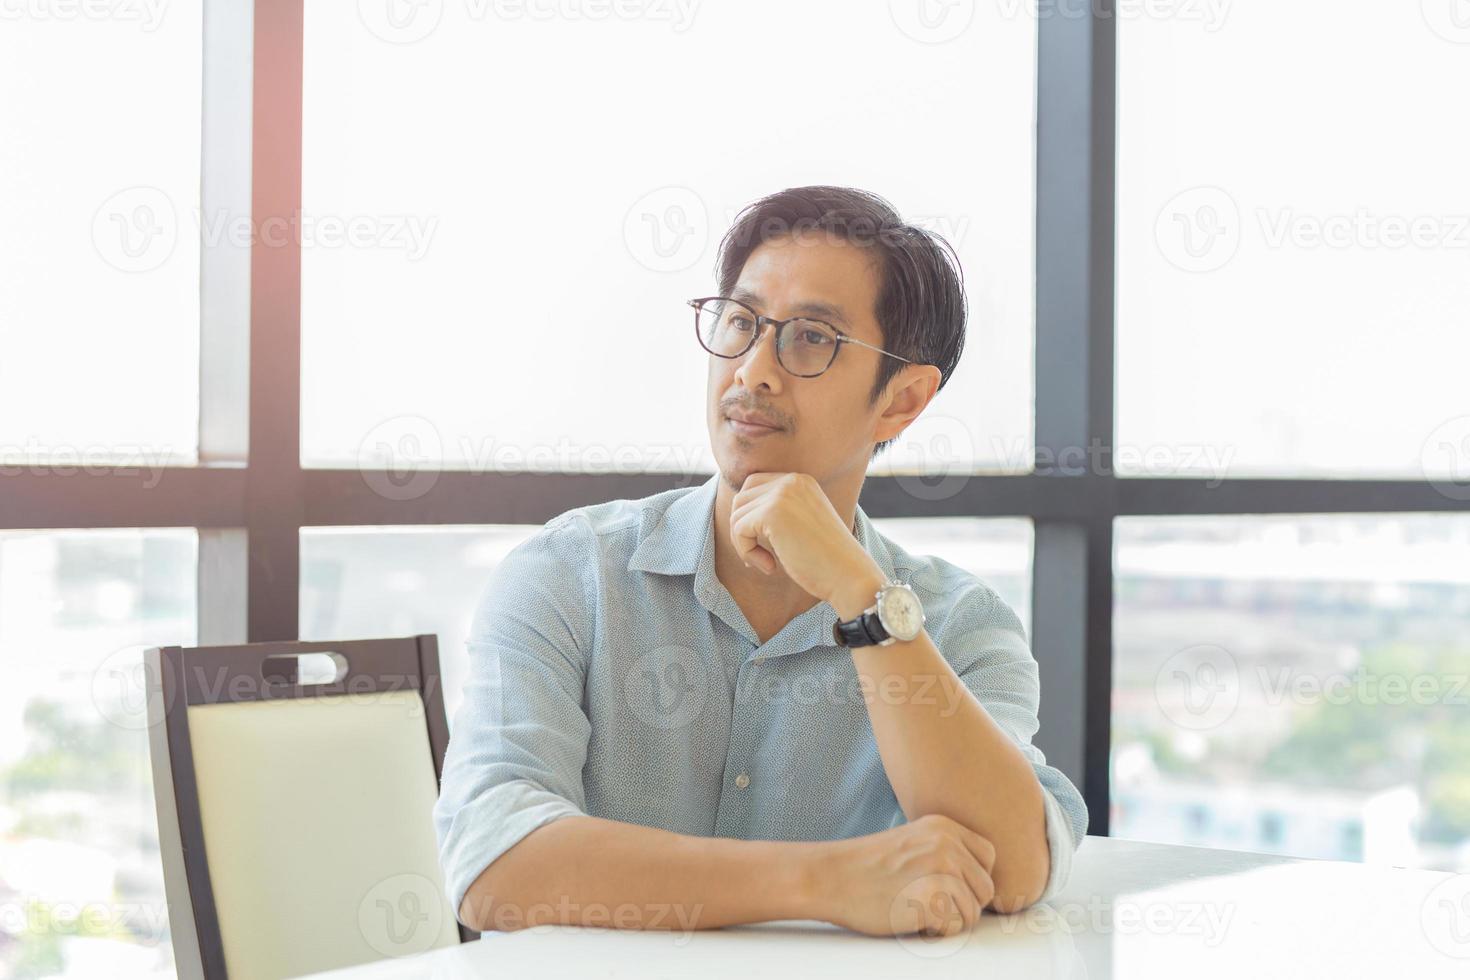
{"x": 295, "y": 784}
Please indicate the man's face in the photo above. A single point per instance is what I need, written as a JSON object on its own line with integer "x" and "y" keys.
{"x": 824, "y": 425}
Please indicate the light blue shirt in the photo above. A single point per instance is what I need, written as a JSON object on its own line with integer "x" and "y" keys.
{"x": 612, "y": 674}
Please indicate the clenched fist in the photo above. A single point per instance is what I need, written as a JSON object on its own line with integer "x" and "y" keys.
{"x": 930, "y": 876}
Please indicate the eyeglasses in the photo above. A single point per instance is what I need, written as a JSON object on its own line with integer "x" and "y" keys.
{"x": 804, "y": 347}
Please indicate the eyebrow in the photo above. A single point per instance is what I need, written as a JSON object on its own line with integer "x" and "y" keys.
{"x": 808, "y": 308}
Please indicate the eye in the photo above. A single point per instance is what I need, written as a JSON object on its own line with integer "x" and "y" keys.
{"x": 815, "y": 337}
{"x": 741, "y": 321}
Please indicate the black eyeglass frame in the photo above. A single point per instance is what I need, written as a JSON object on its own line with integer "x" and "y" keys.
{"x": 776, "y": 325}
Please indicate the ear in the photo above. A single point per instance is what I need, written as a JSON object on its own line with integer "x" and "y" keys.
{"x": 909, "y": 393}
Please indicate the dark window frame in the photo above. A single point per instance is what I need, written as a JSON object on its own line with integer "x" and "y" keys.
{"x": 250, "y": 497}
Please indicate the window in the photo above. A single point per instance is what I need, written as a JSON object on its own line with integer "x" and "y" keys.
{"x": 1292, "y": 241}
{"x": 996, "y": 551}
{"x": 545, "y": 260}
{"x": 99, "y": 262}
{"x": 80, "y": 876}
{"x": 367, "y": 582}
{"x": 482, "y": 292}
{"x": 1297, "y": 673}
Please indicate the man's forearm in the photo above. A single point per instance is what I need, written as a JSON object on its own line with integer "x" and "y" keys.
{"x": 595, "y": 872}
{"x": 943, "y": 753}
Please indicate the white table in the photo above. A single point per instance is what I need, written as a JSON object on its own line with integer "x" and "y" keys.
{"x": 1130, "y": 910}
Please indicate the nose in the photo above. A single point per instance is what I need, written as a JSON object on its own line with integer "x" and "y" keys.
{"x": 759, "y": 364}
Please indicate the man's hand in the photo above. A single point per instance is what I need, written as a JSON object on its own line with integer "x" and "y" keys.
{"x": 931, "y": 875}
{"x": 785, "y": 521}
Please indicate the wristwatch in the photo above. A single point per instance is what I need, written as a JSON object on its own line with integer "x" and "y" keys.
{"x": 897, "y": 614}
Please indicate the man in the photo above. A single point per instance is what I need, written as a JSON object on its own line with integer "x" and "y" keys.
{"x": 739, "y": 702}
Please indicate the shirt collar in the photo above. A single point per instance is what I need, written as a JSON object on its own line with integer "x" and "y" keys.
{"x": 681, "y": 542}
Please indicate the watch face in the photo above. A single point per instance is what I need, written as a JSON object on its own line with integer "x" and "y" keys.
{"x": 901, "y": 613}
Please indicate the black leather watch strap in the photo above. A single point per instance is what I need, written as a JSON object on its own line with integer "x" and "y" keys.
{"x": 861, "y": 631}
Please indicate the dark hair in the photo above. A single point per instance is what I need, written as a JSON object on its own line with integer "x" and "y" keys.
{"x": 921, "y": 297}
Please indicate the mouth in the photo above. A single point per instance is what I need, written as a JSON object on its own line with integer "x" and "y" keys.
{"x": 746, "y": 427}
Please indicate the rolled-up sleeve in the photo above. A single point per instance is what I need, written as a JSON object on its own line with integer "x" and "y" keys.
{"x": 985, "y": 642}
{"x": 519, "y": 739}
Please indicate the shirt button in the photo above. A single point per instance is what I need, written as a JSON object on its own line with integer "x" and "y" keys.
{"x": 759, "y": 661}
{"x": 742, "y": 780}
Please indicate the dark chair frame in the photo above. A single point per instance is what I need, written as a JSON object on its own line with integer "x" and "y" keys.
{"x": 179, "y": 677}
